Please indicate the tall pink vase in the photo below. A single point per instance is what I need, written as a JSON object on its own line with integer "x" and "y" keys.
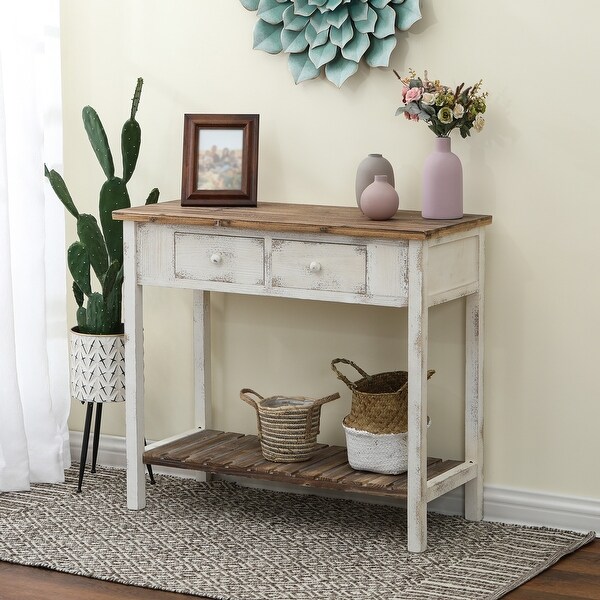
{"x": 442, "y": 183}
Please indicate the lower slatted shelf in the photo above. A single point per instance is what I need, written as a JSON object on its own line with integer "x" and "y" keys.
{"x": 240, "y": 455}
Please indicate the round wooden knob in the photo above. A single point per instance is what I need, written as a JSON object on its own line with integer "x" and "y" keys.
{"x": 315, "y": 266}
{"x": 215, "y": 258}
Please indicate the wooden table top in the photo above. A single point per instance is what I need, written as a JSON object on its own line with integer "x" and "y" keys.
{"x": 302, "y": 218}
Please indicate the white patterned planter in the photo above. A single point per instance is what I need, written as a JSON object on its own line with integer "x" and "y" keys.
{"x": 97, "y": 367}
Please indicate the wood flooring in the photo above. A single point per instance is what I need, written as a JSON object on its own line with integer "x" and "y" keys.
{"x": 575, "y": 577}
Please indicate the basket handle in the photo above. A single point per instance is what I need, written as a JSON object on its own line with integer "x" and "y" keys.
{"x": 341, "y": 376}
{"x": 244, "y": 396}
{"x": 316, "y": 404}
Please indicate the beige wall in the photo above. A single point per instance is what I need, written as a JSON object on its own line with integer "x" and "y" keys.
{"x": 534, "y": 167}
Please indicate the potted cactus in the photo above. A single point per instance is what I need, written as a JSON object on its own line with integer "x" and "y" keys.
{"x": 97, "y": 342}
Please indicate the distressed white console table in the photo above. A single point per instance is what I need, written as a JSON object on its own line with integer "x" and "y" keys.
{"x": 317, "y": 253}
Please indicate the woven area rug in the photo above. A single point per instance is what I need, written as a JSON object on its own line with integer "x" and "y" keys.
{"x": 224, "y": 541}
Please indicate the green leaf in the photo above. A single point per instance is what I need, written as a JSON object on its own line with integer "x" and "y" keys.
{"x": 250, "y": 4}
{"x": 267, "y": 37}
{"x": 60, "y": 189}
{"x": 355, "y": 49}
{"x": 407, "y": 14}
{"x": 271, "y": 11}
{"x": 367, "y": 25}
{"x": 386, "y": 22}
{"x": 98, "y": 140}
{"x": 339, "y": 69}
{"x": 293, "y": 41}
{"x": 292, "y": 21}
{"x": 340, "y": 36}
{"x": 321, "y": 55}
{"x": 302, "y": 67}
{"x": 379, "y": 53}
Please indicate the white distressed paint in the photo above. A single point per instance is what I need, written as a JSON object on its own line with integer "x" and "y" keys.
{"x": 417, "y": 274}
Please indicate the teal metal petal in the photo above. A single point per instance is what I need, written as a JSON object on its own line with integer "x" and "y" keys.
{"x": 267, "y": 37}
{"x": 339, "y": 69}
{"x": 315, "y": 39}
{"x": 301, "y": 67}
{"x": 332, "y": 4}
{"x": 338, "y": 16}
{"x": 319, "y": 22}
{"x": 271, "y": 11}
{"x": 303, "y": 8}
{"x": 407, "y": 14}
{"x": 317, "y": 2}
{"x": 355, "y": 48}
{"x": 292, "y": 21}
{"x": 379, "y": 53}
{"x": 250, "y": 4}
{"x": 358, "y": 11}
{"x": 379, "y": 3}
{"x": 340, "y": 36}
{"x": 386, "y": 22}
{"x": 293, "y": 41}
{"x": 367, "y": 25}
{"x": 322, "y": 54}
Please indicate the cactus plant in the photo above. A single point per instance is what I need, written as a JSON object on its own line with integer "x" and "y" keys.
{"x": 100, "y": 247}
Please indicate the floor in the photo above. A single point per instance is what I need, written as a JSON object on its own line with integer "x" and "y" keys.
{"x": 576, "y": 577}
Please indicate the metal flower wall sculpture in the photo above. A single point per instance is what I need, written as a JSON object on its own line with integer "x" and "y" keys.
{"x": 334, "y": 34}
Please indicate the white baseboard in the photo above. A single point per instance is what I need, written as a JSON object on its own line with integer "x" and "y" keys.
{"x": 500, "y": 504}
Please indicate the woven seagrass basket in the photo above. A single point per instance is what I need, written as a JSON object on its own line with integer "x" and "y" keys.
{"x": 379, "y": 402}
{"x": 287, "y": 426}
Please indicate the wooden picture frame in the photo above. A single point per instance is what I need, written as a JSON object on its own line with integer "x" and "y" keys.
{"x": 220, "y": 160}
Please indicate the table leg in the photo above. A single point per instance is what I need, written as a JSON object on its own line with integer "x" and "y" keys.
{"x": 134, "y": 370}
{"x": 474, "y": 394}
{"x": 202, "y": 368}
{"x": 417, "y": 396}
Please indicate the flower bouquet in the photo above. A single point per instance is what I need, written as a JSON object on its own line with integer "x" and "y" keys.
{"x": 441, "y": 107}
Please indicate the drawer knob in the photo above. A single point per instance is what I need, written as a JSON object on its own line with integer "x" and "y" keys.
{"x": 215, "y": 258}
{"x": 315, "y": 266}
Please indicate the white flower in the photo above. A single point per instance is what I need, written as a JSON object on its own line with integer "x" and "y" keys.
{"x": 479, "y": 122}
{"x": 459, "y": 111}
{"x": 445, "y": 115}
{"x": 429, "y": 99}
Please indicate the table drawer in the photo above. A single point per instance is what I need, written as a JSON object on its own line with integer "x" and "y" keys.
{"x": 227, "y": 259}
{"x": 319, "y": 266}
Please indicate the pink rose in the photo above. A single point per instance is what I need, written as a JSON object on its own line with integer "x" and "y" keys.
{"x": 411, "y": 117}
{"x": 404, "y": 90}
{"x": 413, "y": 94}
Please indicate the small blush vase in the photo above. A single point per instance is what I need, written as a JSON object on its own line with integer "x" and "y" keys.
{"x": 374, "y": 164}
{"x": 379, "y": 201}
{"x": 442, "y": 183}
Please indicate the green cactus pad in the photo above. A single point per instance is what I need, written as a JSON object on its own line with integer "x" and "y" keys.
{"x": 82, "y": 320}
{"x": 131, "y": 138}
{"x": 96, "y": 314}
{"x": 110, "y": 278}
{"x": 78, "y": 261}
{"x": 153, "y": 196}
{"x": 98, "y": 140}
{"x": 91, "y": 237}
{"x": 60, "y": 189}
{"x": 113, "y": 196}
{"x": 78, "y": 293}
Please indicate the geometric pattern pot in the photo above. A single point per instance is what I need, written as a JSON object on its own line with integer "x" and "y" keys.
{"x": 97, "y": 367}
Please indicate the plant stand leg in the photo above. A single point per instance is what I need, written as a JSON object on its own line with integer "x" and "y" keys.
{"x": 97, "y": 423}
{"x": 85, "y": 442}
{"x": 150, "y": 473}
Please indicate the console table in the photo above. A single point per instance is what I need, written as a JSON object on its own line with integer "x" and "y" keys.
{"x": 312, "y": 252}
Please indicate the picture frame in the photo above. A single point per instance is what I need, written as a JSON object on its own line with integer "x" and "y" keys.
{"x": 220, "y": 160}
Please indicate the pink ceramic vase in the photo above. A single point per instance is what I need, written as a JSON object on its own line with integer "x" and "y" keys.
{"x": 379, "y": 201}
{"x": 442, "y": 183}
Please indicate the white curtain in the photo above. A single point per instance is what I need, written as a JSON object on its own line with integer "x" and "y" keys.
{"x": 34, "y": 396}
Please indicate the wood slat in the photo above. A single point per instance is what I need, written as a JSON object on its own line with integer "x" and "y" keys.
{"x": 302, "y": 218}
{"x": 240, "y": 455}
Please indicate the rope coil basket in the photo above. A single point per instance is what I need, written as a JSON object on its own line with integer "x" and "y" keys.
{"x": 379, "y": 402}
{"x": 287, "y": 426}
